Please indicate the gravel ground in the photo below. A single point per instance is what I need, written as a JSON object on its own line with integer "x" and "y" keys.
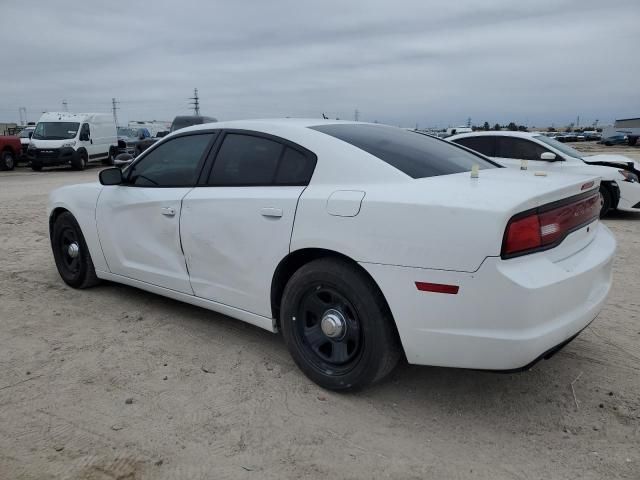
{"x": 114, "y": 382}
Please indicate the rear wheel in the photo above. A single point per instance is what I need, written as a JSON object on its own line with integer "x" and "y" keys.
{"x": 7, "y": 160}
{"x": 337, "y": 326}
{"x": 606, "y": 199}
{"x": 71, "y": 254}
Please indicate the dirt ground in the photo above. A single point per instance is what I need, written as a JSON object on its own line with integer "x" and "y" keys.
{"x": 116, "y": 383}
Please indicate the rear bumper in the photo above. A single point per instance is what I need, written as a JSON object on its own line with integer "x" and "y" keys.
{"x": 629, "y": 196}
{"x": 507, "y": 314}
{"x": 52, "y": 156}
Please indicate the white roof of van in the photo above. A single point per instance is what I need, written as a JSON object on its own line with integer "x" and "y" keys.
{"x": 67, "y": 116}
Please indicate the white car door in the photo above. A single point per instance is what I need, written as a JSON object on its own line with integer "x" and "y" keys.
{"x": 139, "y": 221}
{"x": 510, "y": 151}
{"x": 237, "y": 226}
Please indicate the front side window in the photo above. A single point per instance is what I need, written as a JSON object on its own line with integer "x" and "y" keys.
{"x": 174, "y": 163}
{"x": 55, "y": 130}
{"x": 248, "y": 160}
{"x": 85, "y": 132}
{"x": 566, "y": 149}
{"x": 518, "y": 148}
{"x": 418, "y": 156}
{"x": 483, "y": 144}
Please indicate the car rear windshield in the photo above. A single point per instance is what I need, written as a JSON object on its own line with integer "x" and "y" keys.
{"x": 414, "y": 154}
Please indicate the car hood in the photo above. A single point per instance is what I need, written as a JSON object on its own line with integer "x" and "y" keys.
{"x": 611, "y": 159}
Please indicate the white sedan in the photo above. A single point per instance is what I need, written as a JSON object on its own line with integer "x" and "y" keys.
{"x": 360, "y": 243}
{"x": 619, "y": 186}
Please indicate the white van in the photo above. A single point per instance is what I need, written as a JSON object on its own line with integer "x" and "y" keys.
{"x": 63, "y": 138}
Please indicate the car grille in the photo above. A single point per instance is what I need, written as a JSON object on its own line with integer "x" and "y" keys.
{"x": 47, "y": 153}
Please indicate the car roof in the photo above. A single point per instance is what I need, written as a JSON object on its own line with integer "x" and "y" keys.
{"x": 501, "y": 133}
{"x": 266, "y": 122}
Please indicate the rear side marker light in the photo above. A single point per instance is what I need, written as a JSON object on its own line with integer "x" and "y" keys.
{"x": 547, "y": 226}
{"x": 437, "y": 288}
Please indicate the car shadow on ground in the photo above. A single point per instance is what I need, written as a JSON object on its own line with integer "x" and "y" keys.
{"x": 427, "y": 390}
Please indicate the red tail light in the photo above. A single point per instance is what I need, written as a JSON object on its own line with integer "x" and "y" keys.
{"x": 547, "y": 226}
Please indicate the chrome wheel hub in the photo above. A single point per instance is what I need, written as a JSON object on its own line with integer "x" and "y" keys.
{"x": 73, "y": 250}
{"x": 333, "y": 324}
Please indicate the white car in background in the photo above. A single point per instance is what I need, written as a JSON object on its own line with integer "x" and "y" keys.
{"x": 359, "y": 242}
{"x": 619, "y": 185}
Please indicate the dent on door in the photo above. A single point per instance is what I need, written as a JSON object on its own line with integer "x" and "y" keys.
{"x": 345, "y": 203}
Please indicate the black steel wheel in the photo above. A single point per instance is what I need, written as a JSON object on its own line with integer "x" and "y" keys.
{"x": 337, "y": 325}
{"x": 71, "y": 254}
{"x": 328, "y": 329}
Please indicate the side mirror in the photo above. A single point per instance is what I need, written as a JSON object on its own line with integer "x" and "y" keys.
{"x": 111, "y": 176}
{"x": 84, "y": 137}
{"x": 30, "y": 134}
{"x": 548, "y": 156}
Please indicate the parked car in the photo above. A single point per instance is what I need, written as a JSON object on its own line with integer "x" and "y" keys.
{"x": 359, "y": 242}
{"x": 614, "y": 140}
{"x": 73, "y": 139}
{"x": 10, "y": 148}
{"x": 619, "y": 188}
{"x": 183, "y": 121}
{"x": 134, "y": 141}
{"x": 25, "y": 141}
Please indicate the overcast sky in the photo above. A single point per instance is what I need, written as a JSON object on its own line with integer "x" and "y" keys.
{"x": 434, "y": 63}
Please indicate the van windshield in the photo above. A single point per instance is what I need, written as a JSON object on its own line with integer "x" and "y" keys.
{"x": 55, "y": 130}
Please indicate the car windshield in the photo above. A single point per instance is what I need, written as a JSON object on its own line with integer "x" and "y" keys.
{"x": 126, "y": 132}
{"x": 25, "y": 133}
{"x": 55, "y": 130}
{"x": 552, "y": 142}
{"x": 418, "y": 156}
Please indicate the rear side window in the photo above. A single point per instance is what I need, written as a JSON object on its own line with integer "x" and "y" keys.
{"x": 174, "y": 163}
{"x": 248, "y": 160}
{"x": 519, "y": 148}
{"x": 483, "y": 144}
{"x": 416, "y": 155}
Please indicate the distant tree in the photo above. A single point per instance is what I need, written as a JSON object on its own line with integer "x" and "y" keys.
{"x": 522, "y": 128}
{"x": 551, "y": 129}
{"x": 512, "y": 127}
{"x": 497, "y": 127}
{"x": 486, "y": 126}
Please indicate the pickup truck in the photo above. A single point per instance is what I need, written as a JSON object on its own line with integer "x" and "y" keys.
{"x": 10, "y": 149}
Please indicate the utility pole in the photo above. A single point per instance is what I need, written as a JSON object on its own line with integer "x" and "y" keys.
{"x": 114, "y": 107}
{"x": 578, "y": 121}
{"x": 195, "y": 103}
{"x": 65, "y": 107}
{"x": 22, "y": 111}
{"x": 469, "y": 122}
{"x": 356, "y": 115}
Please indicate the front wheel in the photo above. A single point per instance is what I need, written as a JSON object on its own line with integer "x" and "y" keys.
{"x": 71, "y": 254}
{"x": 337, "y": 325}
{"x": 80, "y": 162}
{"x": 605, "y": 201}
{"x": 7, "y": 161}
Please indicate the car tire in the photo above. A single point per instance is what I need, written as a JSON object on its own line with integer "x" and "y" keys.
{"x": 109, "y": 159}
{"x": 80, "y": 161}
{"x": 337, "y": 325}
{"x": 606, "y": 199}
{"x": 73, "y": 262}
{"x": 7, "y": 160}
